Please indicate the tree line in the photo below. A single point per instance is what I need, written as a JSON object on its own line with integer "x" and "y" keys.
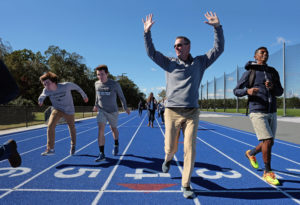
{"x": 27, "y": 66}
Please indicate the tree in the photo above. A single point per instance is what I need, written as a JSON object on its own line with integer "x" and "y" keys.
{"x": 69, "y": 68}
{"x": 5, "y": 48}
{"x": 26, "y": 67}
{"x": 162, "y": 94}
{"x": 131, "y": 91}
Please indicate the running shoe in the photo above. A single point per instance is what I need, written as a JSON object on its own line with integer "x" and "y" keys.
{"x": 48, "y": 152}
{"x": 14, "y": 158}
{"x": 270, "y": 178}
{"x": 252, "y": 160}
{"x": 188, "y": 192}
{"x": 101, "y": 157}
{"x": 166, "y": 166}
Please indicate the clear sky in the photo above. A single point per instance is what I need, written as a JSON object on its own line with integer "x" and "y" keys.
{"x": 111, "y": 31}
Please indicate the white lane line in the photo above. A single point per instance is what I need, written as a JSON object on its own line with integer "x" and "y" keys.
{"x": 148, "y": 191}
{"x": 37, "y": 148}
{"x": 239, "y": 164}
{"x": 277, "y": 155}
{"x": 27, "y": 139}
{"x": 53, "y": 165}
{"x": 28, "y": 131}
{"x": 196, "y": 200}
{"x": 101, "y": 191}
{"x": 249, "y": 133}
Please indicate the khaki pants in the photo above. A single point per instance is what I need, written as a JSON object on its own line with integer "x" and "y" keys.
{"x": 187, "y": 119}
{"x": 53, "y": 120}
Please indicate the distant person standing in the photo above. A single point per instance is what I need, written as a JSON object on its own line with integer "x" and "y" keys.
{"x": 262, "y": 95}
{"x": 62, "y": 102}
{"x": 106, "y": 105}
{"x": 183, "y": 76}
{"x": 140, "y": 108}
{"x": 162, "y": 111}
{"x": 151, "y": 106}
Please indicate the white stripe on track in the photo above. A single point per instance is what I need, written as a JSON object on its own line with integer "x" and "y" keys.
{"x": 149, "y": 191}
{"x": 196, "y": 200}
{"x": 239, "y": 164}
{"x": 27, "y": 139}
{"x": 68, "y": 137}
{"x": 37, "y": 148}
{"x": 277, "y": 155}
{"x": 106, "y": 183}
{"x": 53, "y": 165}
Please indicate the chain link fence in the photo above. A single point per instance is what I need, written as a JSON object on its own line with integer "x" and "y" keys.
{"x": 24, "y": 116}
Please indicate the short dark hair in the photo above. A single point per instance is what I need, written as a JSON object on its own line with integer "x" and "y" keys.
{"x": 49, "y": 75}
{"x": 187, "y": 41}
{"x": 262, "y": 47}
{"x": 102, "y": 67}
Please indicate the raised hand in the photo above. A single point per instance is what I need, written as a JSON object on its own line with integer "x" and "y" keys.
{"x": 212, "y": 19}
{"x": 148, "y": 23}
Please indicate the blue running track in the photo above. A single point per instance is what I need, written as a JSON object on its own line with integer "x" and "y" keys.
{"x": 222, "y": 173}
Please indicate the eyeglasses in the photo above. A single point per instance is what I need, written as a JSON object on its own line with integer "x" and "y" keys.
{"x": 180, "y": 45}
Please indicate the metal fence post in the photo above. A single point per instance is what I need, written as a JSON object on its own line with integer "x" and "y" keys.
{"x": 26, "y": 116}
{"x": 207, "y": 93}
{"x": 284, "y": 82}
{"x": 215, "y": 94}
{"x": 201, "y": 86}
{"x": 237, "y": 80}
{"x": 224, "y": 92}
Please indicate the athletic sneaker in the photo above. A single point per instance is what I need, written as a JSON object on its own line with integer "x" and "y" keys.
{"x": 48, "y": 152}
{"x": 72, "y": 150}
{"x": 14, "y": 158}
{"x": 101, "y": 157}
{"x": 270, "y": 178}
{"x": 115, "y": 150}
{"x": 166, "y": 166}
{"x": 187, "y": 192}
{"x": 252, "y": 159}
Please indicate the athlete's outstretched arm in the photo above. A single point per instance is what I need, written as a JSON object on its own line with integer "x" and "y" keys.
{"x": 148, "y": 23}
{"x": 212, "y": 19}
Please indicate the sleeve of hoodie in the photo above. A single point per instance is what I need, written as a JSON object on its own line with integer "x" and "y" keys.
{"x": 121, "y": 96}
{"x": 277, "y": 90}
{"x": 74, "y": 86}
{"x": 212, "y": 55}
{"x": 156, "y": 56}
{"x": 42, "y": 96}
{"x": 241, "y": 88}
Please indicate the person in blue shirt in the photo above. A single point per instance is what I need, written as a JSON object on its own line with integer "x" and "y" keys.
{"x": 262, "y": 107}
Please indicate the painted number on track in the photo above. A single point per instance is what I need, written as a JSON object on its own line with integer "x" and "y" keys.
{"x": 69, "y": 172}
{"x": 217, "y": 175}
{"x": 14, "y": 172}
